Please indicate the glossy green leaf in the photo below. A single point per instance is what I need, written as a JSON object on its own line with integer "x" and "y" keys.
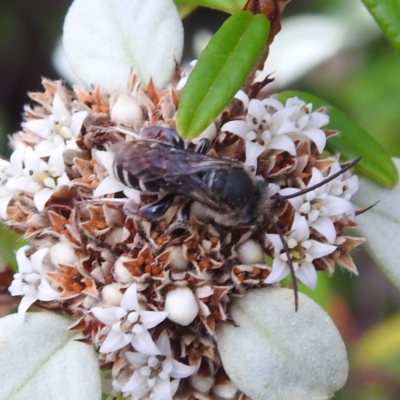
{"x": 220, "y": 71}
{"x": 352, "y": 141}
{"x": 230, "y": 6}
{"x": 387, "y": 16}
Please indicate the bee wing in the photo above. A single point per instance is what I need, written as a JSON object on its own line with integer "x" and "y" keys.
{"x": 193, "y": 187}
{"x": 150, "y": 160}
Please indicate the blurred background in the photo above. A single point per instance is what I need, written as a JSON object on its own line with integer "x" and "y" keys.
{"x": 331, "y": 49}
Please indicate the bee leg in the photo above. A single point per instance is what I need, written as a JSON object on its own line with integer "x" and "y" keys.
{"x": 157, "y": 209}
{"x": 173, "y": 137}
{"x": 204, "y": 146}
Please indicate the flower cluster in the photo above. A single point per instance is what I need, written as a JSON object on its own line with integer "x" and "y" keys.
{"x": 149, "y": 293}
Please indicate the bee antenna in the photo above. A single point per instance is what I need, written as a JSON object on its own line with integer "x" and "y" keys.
{"x": 323, "y": 182}
{"x": 290, "y": 263}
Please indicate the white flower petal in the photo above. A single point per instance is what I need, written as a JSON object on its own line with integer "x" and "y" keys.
{"x": 253, "y": 151}
{"x": 46, "y": 147}
{"x": 282, "y": 142}
{"x": 164, "y": 345}
{"x": 4, "y": 201}
{"x": 162, "y": 390}
{"x": 25, "y": 303}
{"x": 276, "y": 242}
{"x": 337, "y": 205}
{"x": 150, "y": 319}
{"x": 42, "y": 127}
{"x": 60, "y": 111}
{"x": 256, "y": 110}
{"x": 40, "y": 198}
{"x": 106, "y": 158}
{"x": 77, "y": 122}
{"x": 107, "y": 315}
{"x": 307, "y": 275}
{"x": 242, "y": 96}
{"x": 56, "y": 159}
{"x": 239, "y": 128}
{"x": 318, "y": 137}
{"x": 130, "y": 300}
{"x": 114, "y": 341}
{"x": 316, "y": 177}
{"x": 143, "y": 343}
{"x": 46, "y": 292}
{"x": 137, "y": 359}
{"x": 137, "y": 385}
{"x": 318, "y": 249}
{"x": 105, "y": 40}
{"x": 325, "y": 226}
{"x": 280, "y": 270}
{"x": 182, "y": 370}
{"x": 108, "y": 185}
{"x": 300, "y": 228}
{"x": 274, "y": 103}
{"x": 37, "y": 258}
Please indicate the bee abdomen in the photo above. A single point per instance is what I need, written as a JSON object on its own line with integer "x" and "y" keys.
{"x": 132, "y": 181}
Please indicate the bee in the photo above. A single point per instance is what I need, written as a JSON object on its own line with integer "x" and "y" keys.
{"x": 229, "y": 192}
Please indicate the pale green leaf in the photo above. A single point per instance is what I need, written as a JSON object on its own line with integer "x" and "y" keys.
{"x": 41, "y": 359}
{"x": 381, "y": 225}
{"x": 277, "y": 353}
{"x": 105, "y": 40}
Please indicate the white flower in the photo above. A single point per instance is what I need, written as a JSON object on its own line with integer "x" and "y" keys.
{"x": 31, "y": 281}
{"x": 152, "y": 374}
{"x": 345, "y": 185}
{"x": 40, "y": 177}
{"x": 61, "y": 124}
{"x": 319, "y": 206}
{"x": 303, "y": 251}
{"x": 298, "y": 121}
{"x": 261, "y": 130}
{"x": 8, "y": 170}
{"x": 270, "y": 125}
{"x": 182, "y": 82}
{"x": 129, "y": 324}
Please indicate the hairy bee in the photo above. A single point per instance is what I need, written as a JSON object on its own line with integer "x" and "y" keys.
{"x": 229, "y": 192}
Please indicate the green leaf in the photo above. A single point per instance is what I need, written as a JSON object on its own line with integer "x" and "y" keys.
{"x": 230, "y": 6}
{"x": 10, "y": 242}
{"x": 352, "y": 141}
{"x": 379, "y": 347}
{"x": 41, "y": 359}
{"x": 185, "y": 9}
{"x": 220, "y": 71}
{"x": 283, "y": 354}
{"x": 381, "y": 225}
{"x": 387, "y": 16}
